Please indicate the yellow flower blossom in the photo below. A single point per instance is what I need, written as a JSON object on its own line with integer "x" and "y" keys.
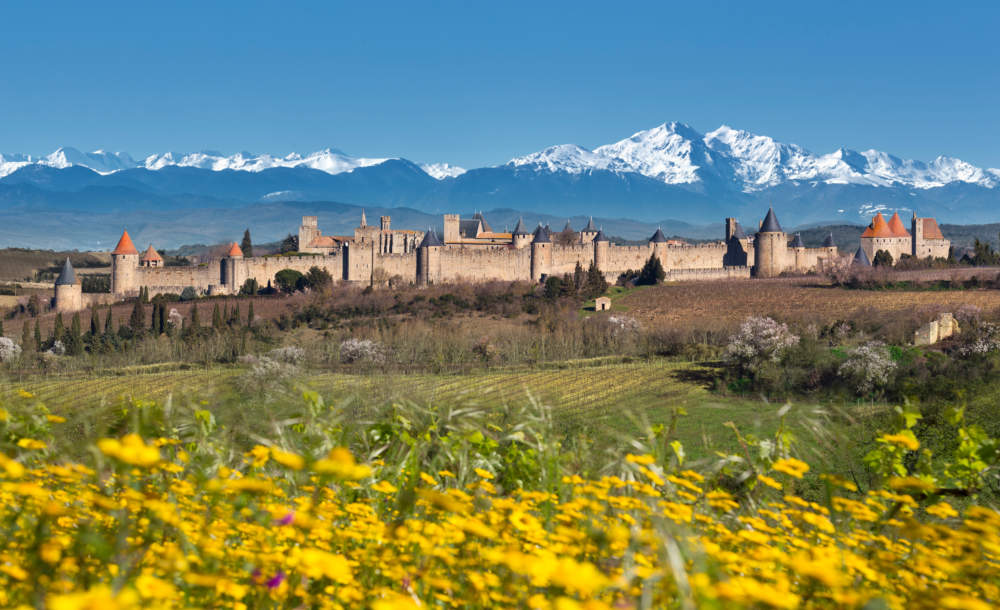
{"x": 791, "y": 466}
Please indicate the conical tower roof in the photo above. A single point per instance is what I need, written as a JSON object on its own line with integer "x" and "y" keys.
{"x": 430, "y": 239}
{"x": 67, "y": 277}
{"x": 234, "y": 250}
{"x": 738, "y": 232}
{"x": 658, "y": 237}
{"x": 770, "y": 224}
{"x": 568, "y": 227}
{"x": 600, "y": 236}
{"x": 797, "y": 242}
{"x": 590, "y": 228}
{"x": 151, "y": 254}
{"x": 486, "y": 226}
{"x": 125, "y": 245}
{"x": 896, "y": 226}
{"x": 541, "y": 236}
{"x": 861, "y": 258}
{"x": 828, "y": 242}
{"x": 878, "y": 228}
{"x": 520, "y": 229}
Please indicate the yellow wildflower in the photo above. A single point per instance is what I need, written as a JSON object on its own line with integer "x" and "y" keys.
{"x": 791, "y": 466}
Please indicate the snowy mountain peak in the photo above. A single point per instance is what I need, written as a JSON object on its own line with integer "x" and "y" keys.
{"x": 676, "y": 153}
{"x": 440, "y": 171}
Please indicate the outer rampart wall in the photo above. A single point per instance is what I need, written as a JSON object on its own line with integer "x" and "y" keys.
{"x": 703, "y": 256}
{"x": 724, "y": 273}
{"x": 263, "y": 268}
{"x": 565, "y": 258}
{"x": 484, "y": 264}
{"x": 624, "y": 258}
{"x": 403, "y": 265}
{"x": 161, "y": 280}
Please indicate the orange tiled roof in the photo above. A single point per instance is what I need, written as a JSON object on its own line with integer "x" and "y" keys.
{"x": 896, "y": 226}
{"x": 151, "y": 254}
{"x": 234, "y": 250}
{"x": 491, "y": 235}
{"x": 878, "y": 228}
{"x": 931, "y": 229}
{"x": 325, "y": 241}
{"x": 125, "y": 245}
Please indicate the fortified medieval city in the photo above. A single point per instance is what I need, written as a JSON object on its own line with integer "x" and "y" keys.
{"x": 471, "y": 251}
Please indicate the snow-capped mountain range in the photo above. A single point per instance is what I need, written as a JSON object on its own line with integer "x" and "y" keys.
{"x": 673, "y": 153}
{"x": 668, "y": 173}
{"x": 677, "y": 154}
{"x": 329, "y": 160}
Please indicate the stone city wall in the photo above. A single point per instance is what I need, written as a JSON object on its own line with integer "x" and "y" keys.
{"x": 483, "y": 264}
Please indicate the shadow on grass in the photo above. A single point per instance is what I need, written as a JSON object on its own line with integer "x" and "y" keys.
{"x": 704, "y": 374}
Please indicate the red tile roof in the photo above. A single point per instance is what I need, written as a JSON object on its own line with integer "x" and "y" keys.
{"x": 931, "y": 229}
{"x": 878, "y": 228}
{"x": 896, "y": 226}
{"x": 151, "y": 254}
{"x": 125, "y": 245}
{"x": 234, "y": 250}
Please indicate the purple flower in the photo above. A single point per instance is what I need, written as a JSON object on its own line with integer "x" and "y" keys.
{"x": 287, "y": 519}
{"x": 276, "y": 580}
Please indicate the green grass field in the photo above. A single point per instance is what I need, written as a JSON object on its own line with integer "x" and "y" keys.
{"x": 607, "y": 400}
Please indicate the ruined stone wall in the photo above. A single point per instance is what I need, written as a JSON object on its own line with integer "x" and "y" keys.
{"x": 483, "y": 263}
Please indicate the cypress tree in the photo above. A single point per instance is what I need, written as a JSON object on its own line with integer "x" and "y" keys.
{"x": 235, "y": 318}
{"x": 38, "y": 336}
{"x": 58, "y": 330}
{"x": 154, "y": 321}
{"x": 216, "y": 317}
{"x": 137, "y": 321}
{"x": 95, "y": 324}
{"x": 26, "y": 343}
{"x": 246, "y": 245}
{"x": 652, "y": 272}
{"x": 1, "y": 327}
{"x": 596, "y": 284}
{"x": 250, "y": 315}
{"x": 109, "y": 322}
{"x": 163, "y": 317}
{"x": 579, "y": 277}
{"x": 74, "y": 340}
{"x": 195, "y": 324}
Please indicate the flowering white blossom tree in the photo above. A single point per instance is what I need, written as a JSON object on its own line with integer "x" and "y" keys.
{"x": 868, "y": 367}
{"x": 759, "y": 340}
{"x": 9, "y": 351}
{"x": 361, "y": 350}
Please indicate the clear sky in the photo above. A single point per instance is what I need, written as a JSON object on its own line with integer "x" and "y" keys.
{"x": 476, "y": 83}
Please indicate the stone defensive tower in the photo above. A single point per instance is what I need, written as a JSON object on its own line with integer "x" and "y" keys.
{"x": 429, "y": 258}
{"x": 601, "y": 247}
{"x": 658, "y": 243}
{"x": 308, "y": 231}
{"x": 541, "y": 253}
{"x": 124, "y": 264}
{"x": 770, "y": 247}
{"x": 69, "y": 293}
{"x": 520, "y": 238}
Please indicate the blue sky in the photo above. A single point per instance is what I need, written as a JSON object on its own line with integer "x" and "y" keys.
{"x": 477, "y": 83}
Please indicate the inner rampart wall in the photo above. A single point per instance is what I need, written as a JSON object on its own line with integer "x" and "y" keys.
{"x": 484, "y": 264}
{"x": 702, "y": 256}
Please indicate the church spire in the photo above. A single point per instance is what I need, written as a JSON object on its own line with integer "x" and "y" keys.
{"x": 364, "y": 221}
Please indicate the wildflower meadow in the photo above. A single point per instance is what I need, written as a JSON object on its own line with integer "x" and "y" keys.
{"x": 456, "y": 508}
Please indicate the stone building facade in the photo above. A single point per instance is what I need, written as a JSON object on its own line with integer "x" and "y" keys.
{"x": 471, "y": 251}
{"x": 923, "y": 240}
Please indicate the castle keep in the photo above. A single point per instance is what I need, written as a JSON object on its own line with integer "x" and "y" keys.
{"x": 470, "y": 250}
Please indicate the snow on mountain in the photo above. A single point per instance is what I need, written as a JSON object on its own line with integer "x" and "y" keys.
{"x": 10, "y": 163}
{"x": 328, "y": 160}
{"x": 677, "y": 154}
{"x": 568, "y": 158}
{"x": 100, "y": 161}
{"x": 440, "y": 171}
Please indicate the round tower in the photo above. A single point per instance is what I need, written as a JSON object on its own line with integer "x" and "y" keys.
{"x": 234, "y": 273}
{"x": 541, "y": 253}
{"x": 658, "y": 244}
{"x": 429, "y": 258}
{"x": 69, "y": 293}
{"x": 520, "y": 237}
{"x": 770, "y": 247}
{"x": 124, "y": 267}
{"x": 601, "y": 247}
